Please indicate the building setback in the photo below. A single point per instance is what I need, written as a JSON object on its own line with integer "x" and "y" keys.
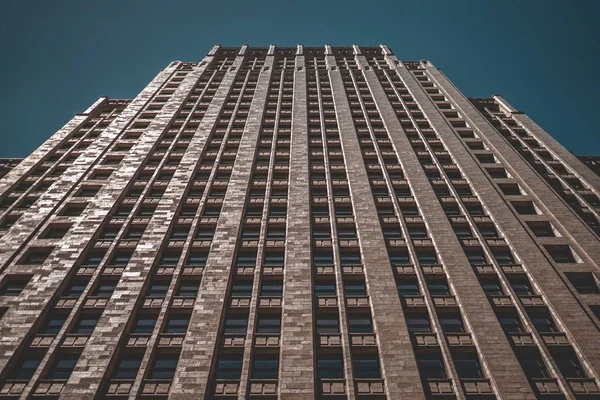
{"x": 300, "y": 223}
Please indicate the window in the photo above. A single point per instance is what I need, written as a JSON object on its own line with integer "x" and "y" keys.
{"x": 462, "y": 231}
{"x": 399, "y": 258}
{"x": 541, "y": 228}
{"x": 229, "y": 366}
{"x": 524, "y": 207}
{"x": 276, "y": 233}
{"x": 451, "y": 323}
{"x": 188, "y": 211}
{"x": 180, "y": 233}
{"x": 36, "y": 256}
{"x": 486, "y": 158}
{"x": 274, "y": 258}
{"x": 170, "y": 258}
{"x": 164, "y": 366}
{"x": 543, "y": 322}
{"x": 366, "y": 366}
{"x": 121, "y": 258}
{"x": 408, "y": 287}
{"x": 584, "y": 282}
{"x": 268, "y": 323}
{"x": 158, "y": 288}
{"x": 205, "y": 233}
{"x": 236, "y": 324}
{"x": 487, "y": 231}
{"x": 438, "y": 287}
{"x": 144, "y": 324}
{"x": 94, "y": 258}
{"x": 56, "y": 231}
{"x": 503, "y": 257}
{"x": 327, "y": 324}
{"x": 122, "y": 211}
{"x": 271, "y": 288}
{"x": 426, "y": 257}
{"x": 197, "y": 258}
{"x": 492, "y": 287}
{"x": 325, "y": 288}
{"x": 330, "y": 366}
{"x": 474, "y": 210}
{"x": 241, "y": 288}
{"x": 350, "y": 258}
{"x": 14, "y": 285}
{"x": 360, "y": 323}
{"x": 510, "y": 323}
{"x": 177, "y": 323}
{"x": 188, "y": 288}
{"x": 532, "y": 365}
{"x": 63, "y": 366}
{"x": 417, "y": 231}
{"x": 75, "y": 289}
{"x": 561, "y": 253}
{"x": 355, "y": 288}
{"x": 510, "y": 189}
{"x": 110, "y": 232}
{"x": 246, "y": 259}
{"x": 86, "y": 324}
{"x": 569, "y": 365}
{"x": 146, "y": 211}
{"x": 521, "y": 286}
{"x": 346, "y": 233}
{"x": 431, "y": 366}
{"x": 26, "y": 366}
{"x": 128, "y": 366}
{"x": 105, "y": 289}
{"x": 52, "y": 325}
{"x": 87, "y": 191}
{"x": 468, "y": 366}
{"x": 323, "y": 258}
{"x": 418, "y": 323}
{"x": 265, "y": 366}
{"x": 392, "y": 233}
{"x": 275, "y": 212}
{"x": 476, "y": 257}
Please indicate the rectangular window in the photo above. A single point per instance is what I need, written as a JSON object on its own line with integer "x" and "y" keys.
{"x": 451, "y": 323}
{"x": 271, "y": 288}
{"x": 583, "y": 282}
{"x": 144, "y": 324}
{"x": 53, "y": 325}
{"x": 366, "y": 366}
{"x": 408, "y": 287}
{"x": 543, "y": 322}
{"x": 158, "y": 288}
{"x": 561, "y": 253}
{"x": 164, "y": 366}
{"x": 188, "y": 288}
{"x": 128, "y": 366}
{"x": 438, "y": 287}
{"x": 236, "y": 324}
{"x": 229, "y": 366}
{"x": 14, "y": 285}
{"x": 468, "y": 366}
{"x": 360, "y": 324}
{"x": 26, "y": 366}
{"x": 86, "y": 324}
{"x": 330, "y": 366}
{"x": 327, "y": 324}
{"x": 418, "y": 323}
{"x": 63, "y": 366}
{"x": 265, "y": 366}
{"x": 177, "y": 323}
{"x": 431, "y": 367}
{"x": 268, "y": 323}
{"x": 355, "y": 288}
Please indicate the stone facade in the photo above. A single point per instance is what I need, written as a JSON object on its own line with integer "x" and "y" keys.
{"x": 300, "y": 223}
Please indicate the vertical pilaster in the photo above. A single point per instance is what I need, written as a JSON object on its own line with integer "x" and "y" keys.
{"x": 297, "y": 354}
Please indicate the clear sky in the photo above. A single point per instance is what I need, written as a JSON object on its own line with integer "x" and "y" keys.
{"x": 59, "y": 56}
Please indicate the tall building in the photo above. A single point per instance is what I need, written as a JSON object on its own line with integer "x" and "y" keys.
{"x": 300, "y": 223}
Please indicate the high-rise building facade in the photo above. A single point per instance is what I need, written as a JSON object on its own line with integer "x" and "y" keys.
{"x": 300, "y": 223}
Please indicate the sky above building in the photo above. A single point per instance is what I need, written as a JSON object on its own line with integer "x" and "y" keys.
{"x": 59, "y": 57}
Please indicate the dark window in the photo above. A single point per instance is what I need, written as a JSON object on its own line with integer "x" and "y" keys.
{"x": 87, "y": 191}
{"x": 524, "y": 207}
{"x": 504, "y": 257}
{"x": 56, "y": 231}
{"x": 75, "y": 289}
{"x": 197, "y": 258}
{"x": 451, "y": 323}
{"x": 36, "y": 256}
{"x": 347, "y": 232}
{"x": 180, "y": 232}
{"x": 366, "y": 366}
{"x": 246, "y": 259}
{"x": 408, "y": 287}
{"x": 63, "y": 366}
{"x": 541, "y": 228}
{"x": 121, "y": 258}
{"x": 265, "y": 366}
{"x": 205, "y": 233}
{"x": 274, "y": 258}
{"x": 268, "y": 323}
{"x": 277, "y": 212}
{"x": 322, "y": 258}
{"x": 417, "y": 231}
{"x": 463, "y": 231}
{"x": 418, "y": 323}
{"x": 427, "y": 258}
{"x": 144, "y": 324}
{"x": 399, "y": 258}
{"x": 532, "y": 365}
{"x": 327, "y": 324}
{"x": 86, "y": 324}
{"x": 476, "y": 257}
{"x": 188, "y": 288}
{"x": 468, "y": 367}
{"x": 13, "y": 285}
{"x": 135, "y": 232}
{"x": 123, "y": 211}
{"x": 128, "y": 366}
{"x": 170, "y": 258}
{"x": 360, "y": 324}
{"x": 431, "y": 367}
{"x": 146, "y": 211}
{"x": 438, "y": 287}
{"x": 177, "y": 323}
{"x": 158, "y": 288}
{"x": 110, "y": 232}
{"x": 488, "y": 231}
{"x": 569, "y": 365}
{"x": 510, "y": 323}
{"x": 188, "y": 211}
{"x": 330, "y": 367}
{"x": 325, "y": 288}
{"x": 560, "y": 253}
{"x": 236, "y": 324}
{"x": 241, "y": 288}
{"x": 392, "y": 233}
{"x": 53, "y": 325}
{"x": 271, "y": 288}
{"x": 521, "y": 286}
{"x": 105, "y": 289}
{"x": 164, "y": 366}
{"x": 250, "y": 233}
{"x": 543, "y": 322}
{"x": 497, "y": 173}
{"x": 229, "y": 367}
{"x": 276, "y": 233}
{"x": 26, "y": 366}
{"x": 474, "y": 210}
{"x": 584, "y": 282}
{"x": 354, "y": 288}
{"x": 510, "y": 189}
{"x": 492, "y": 287}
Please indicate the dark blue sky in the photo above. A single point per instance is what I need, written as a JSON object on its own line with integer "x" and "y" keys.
{"x": 60, "y": 56}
